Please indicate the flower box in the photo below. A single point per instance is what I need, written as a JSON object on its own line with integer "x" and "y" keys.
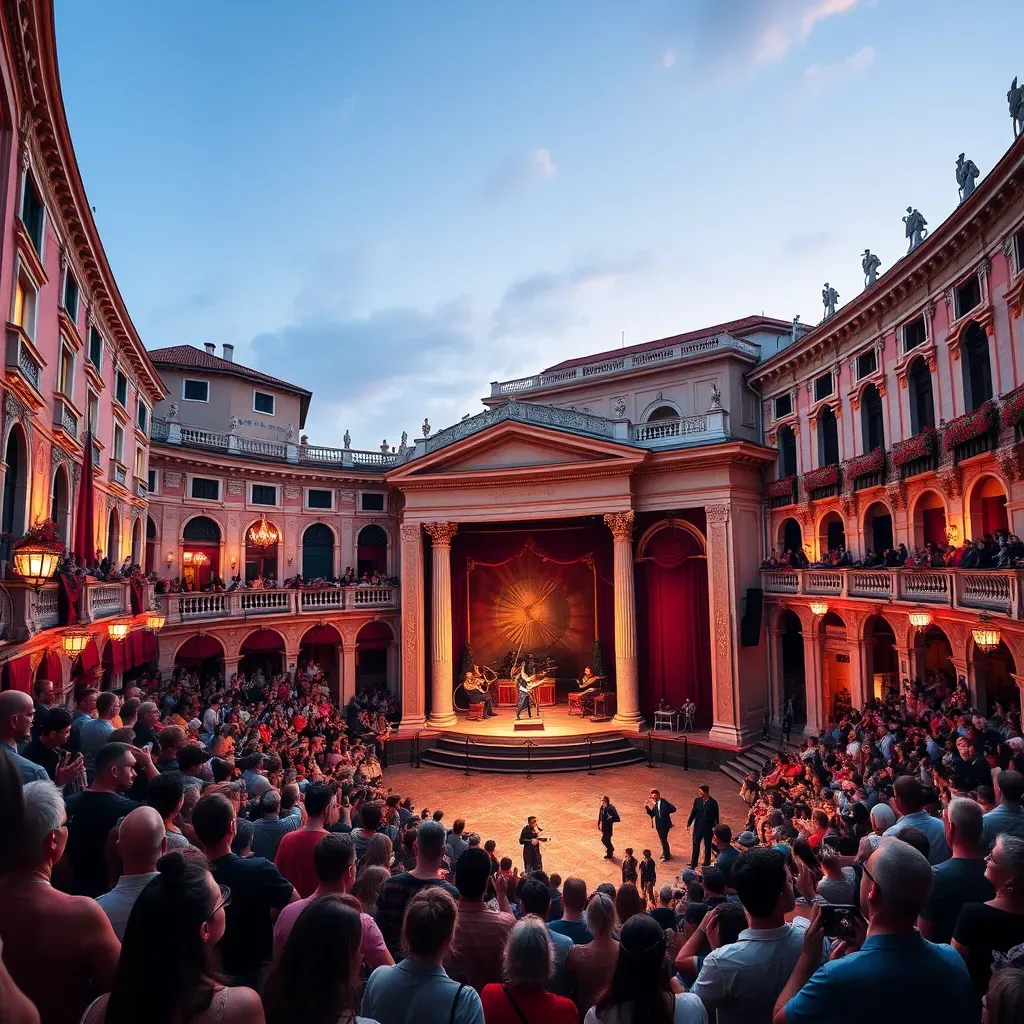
{"x": 781, "y": 488}
{"x": 825, "y": 476}
{"x": 866, "y": 465}
{"x": 916, "y": 447}
{"x": 1012, "y": 407}
{"x": 971, "y": 425}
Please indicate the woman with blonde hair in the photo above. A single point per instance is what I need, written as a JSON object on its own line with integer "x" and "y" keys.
{"x": 379, "y": 853}
{"x": 368, "y": 885}
{"x": 589, "y": 965}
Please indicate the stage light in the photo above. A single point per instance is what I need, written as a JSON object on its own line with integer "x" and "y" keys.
{"x": 155, "y": 621}
{"x": 819, "y": 608}
{"x": 920, "y": 619}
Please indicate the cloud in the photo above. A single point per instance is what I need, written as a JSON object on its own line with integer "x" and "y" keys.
{"x": 519, "y": 172}
{"x": 668, "y": 60}
{"x": 819, "y": 77}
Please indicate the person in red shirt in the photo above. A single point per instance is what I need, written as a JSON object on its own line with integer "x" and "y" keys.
{"x": 527, "y": 969}
{"x": 820, "y": 821}
{"x": 295, "y": 853}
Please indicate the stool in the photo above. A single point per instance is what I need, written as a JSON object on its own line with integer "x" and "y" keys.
{"x": 576, "y": 708}
{"x": 475, "y": 713}
{"x": 667, "y": 719}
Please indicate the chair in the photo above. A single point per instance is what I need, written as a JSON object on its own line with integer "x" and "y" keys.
{"x": 667, "y": 719}
{"x": 475, "y": 713}
{"x": 577, "y": 705}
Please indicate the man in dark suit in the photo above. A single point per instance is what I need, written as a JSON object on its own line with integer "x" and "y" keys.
{"x": 660, "y": 812}
{"x": 607, "y": 816}
{"x": 530, "y": 838}
{"x": 703, "y": 819}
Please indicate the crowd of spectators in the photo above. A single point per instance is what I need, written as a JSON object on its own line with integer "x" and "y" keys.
{"x": 153, "y": 870}
{"x": 217, "y": 585}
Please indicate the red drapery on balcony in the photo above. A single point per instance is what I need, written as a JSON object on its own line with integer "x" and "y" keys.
{"x": 17, "y": 674}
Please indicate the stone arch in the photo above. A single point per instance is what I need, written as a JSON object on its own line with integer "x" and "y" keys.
{"x": 114, "y": 531}
{"x": 933, "y": 650}
{"x": 881, "y": 654}
{"x": 927, "y": 518}
{"x": 17, "y": 481}
{"x": 318, "y": 542}
{"x": 373, "y": 549}
{"x": 212, "y": 637}
{"x": 790, "y": 532}
{"x": 259, "y": 561}
{"x": 985, "y": 504}
{"x": 878, "y": 534}
{"x": 259, "y": 649}
{"x": 203, "y": 534}
{"x": 830, "y": 532}
{"x": 993, "y": 673}
{"x": 60, "y": 502}
{"x": 661, "y": 409}
{"x": 665, "y": 524}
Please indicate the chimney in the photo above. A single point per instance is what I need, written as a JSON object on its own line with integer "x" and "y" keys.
{"x": 211, "y": 349}
{"x": 229, "y": 352}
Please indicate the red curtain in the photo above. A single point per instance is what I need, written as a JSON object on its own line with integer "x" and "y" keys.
{"x": 993, "y": 514}
{"x": 673, "y": 624}
{"x": 934, "y": 521}
{"x": 320, "y": 635}
{"x": 264, "y": 640}
{"x": 17, "y": 674}
{"x": 198, "y": 648}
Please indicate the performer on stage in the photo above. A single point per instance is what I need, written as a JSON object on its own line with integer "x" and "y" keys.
{"x": 660, "y": 812}
{"x": 589, "y": 684}
{"x": 477, "y": 693}
{"x": 703, "y": 818}
{"x": 531, "y": 838}
{"x": 607, "y": 816}
{"x": 524, "y": 687}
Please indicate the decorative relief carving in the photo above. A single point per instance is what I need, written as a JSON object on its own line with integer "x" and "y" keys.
{"x": 292, "y": 491}
{"x": 441, "y": 534}
{"x": 716, "y": 513}
{"x": 345, "y": 497}
{"x": 236, "y": 485}
{"x": 1010, "y": 461}
{"x": 949, "y": 481}
{"x": 172, "y": 479}
{"x": 621, "y": 524}
{"x": 897, "y": 498}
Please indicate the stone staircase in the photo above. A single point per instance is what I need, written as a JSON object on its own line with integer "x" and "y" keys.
{"x": 753, "y": 759}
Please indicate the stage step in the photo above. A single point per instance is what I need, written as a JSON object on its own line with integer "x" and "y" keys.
{"x": 571, "y": 756}
{"x": 751, "y": 760}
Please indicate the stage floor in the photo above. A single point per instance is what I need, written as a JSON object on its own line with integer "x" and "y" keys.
{"x": 557, "y": 723}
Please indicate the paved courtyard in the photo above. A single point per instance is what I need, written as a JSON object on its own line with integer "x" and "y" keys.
{"x": 496, "y": 806}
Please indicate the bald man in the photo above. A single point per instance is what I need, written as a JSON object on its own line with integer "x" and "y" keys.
{"x": 894, "y": 960}
{"x": 17, "y": 711}
{"x": 141, "y": 842}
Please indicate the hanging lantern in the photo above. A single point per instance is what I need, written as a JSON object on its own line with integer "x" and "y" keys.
{"x": 263, "y": 535}
{"x": 920, "y": 619}
{"x": 819, "y": 608}
{"x": 36, "y": 563}
{"x": 986, "y": 637}
{"x": 155, "y": 622}
{"x": 74, "y": 641}
{"x": 118, "y": 630}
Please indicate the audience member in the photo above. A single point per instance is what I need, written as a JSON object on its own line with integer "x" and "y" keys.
{"x": 571, "y": 923}
{"x": 295, "y": 849}
{"x": 589, "y": 965}
{"x": 140, "y": 844}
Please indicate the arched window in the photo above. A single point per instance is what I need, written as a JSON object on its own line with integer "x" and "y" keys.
{"x": 15, "y": 484}
{"x": 202, "y": 529}
{"x": 201, "y": 551}
{"x": 60, "y": 504}
{"x": 317, "y": 552}
{"x": 113, "y": 551}
{"x": 151, "y": 557}
{"x": 787, "y": 451}
{"x": 922, "y": 404}
{"x": 663, "y": 412}
{"x": 372, "y": 550}
{"x": 872, "y": 428}
{"x": 828, "y": 438}
{"x": 977, "y": 370}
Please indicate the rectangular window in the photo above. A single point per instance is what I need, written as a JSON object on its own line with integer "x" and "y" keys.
{"x": 262, "y": 402}
{"x": 206, "y": 490}
{"x": 371, "y": 502}
{"x": 66, "y": 371}
{"x": 140, "y": 462}
{"x": 93, "y": 411}
{"x": 70, "y": 301}
{"x": 142, "y": 416}
{"x": 121, "y": 389}
{"x": 914, "y": 334}
{"x": 1018, "y": 251}
{"x": 33, "y": 213}
{"x": 195, "y": 390}
{"x": 264, "y": 494}
{"x": 118, "y": 443}
{"x": 151, "y": 481}
{"x": 96, "y": 348}
{"x": 967, "y": 296}
{"x": 783, "y": 406}
{"x": 823, "y": 387}
{"x": 318, "y": 498}
{"x": 25, "y": 303}
{"x": 867, "y": 362}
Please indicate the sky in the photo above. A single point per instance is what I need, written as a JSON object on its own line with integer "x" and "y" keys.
{"x": 395, "y": 204}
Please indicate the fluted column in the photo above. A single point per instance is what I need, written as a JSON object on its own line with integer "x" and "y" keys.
{"x": 442, "y": 711}
{"x": 860, "y": 690}
{"x": 414, "y": 685}
{"x": 721, "y": 604}
{"x": 627, "y": 685}
{"x": 814, "y": 681}
{"x": 775, "y": 686}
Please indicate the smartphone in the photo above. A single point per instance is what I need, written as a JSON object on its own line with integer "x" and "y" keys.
{"x": 838, "y": 920}
{"x": 148, "y": 746}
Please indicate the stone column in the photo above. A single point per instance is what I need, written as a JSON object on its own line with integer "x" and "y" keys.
{"x": 392, "y": 664}
{"x": 814, "y": 683}
{"x": 414, "y": 684}
{"x": 860, "y": 690}
{"x": 442, "y": 712}
{"x": 627, "y": 686}
{"x": 230, "y": 667}
{"x": 775, "y": 682}
{"x": 348, "y": 671}
{"x": 724, "y": 681}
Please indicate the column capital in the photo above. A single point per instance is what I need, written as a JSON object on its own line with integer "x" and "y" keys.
{"x": 441, "y": 534}
{"x": 621, "y": 524}
{"x": 716, "y": 513}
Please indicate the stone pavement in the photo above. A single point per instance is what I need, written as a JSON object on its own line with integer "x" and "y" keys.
{"x": 496, "y": 806}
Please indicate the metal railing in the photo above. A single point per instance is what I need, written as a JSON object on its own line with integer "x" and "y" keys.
{"x": 193, "y": 607}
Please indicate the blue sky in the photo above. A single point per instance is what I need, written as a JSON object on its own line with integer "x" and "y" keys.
{"x": 394, "y": 204}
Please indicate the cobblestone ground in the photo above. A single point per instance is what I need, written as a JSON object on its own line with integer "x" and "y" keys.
{"x": 496, "y": 806}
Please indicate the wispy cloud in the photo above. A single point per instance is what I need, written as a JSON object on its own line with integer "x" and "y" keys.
{"x": 819, "y": 77}
{"x": 518, "y": 172}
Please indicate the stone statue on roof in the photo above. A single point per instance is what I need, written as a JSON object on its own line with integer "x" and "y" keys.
{"x": 426, "y": 427}
{"x": 829, "y": 298}
{"x": 1015, "y": 97}
{"x": 967, "y": 174}
{"x": 347, "y": 440}
{"x": 916, "y": 228}
{"x": 870, "y": 264}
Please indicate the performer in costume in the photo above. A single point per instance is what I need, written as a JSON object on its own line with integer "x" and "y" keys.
{"x": 531, "y": 838}
{"x": 589, "y": 684}
{"x": 476, "y": 693}
{"x": 524, "y": 687}
{"x": 607, "y": 816}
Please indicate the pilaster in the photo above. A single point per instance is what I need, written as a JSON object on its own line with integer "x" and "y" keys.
{"x": 724, "y": 681}
{"x": 414, "y": 683}
{"x": 627, "y": 685}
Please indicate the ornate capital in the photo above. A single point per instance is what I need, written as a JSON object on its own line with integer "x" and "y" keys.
{"x": 441, "y": 534}
{"x": 716, "y": 513}
{"x": 621, "y": 524}
{"x": 410, "y": 532}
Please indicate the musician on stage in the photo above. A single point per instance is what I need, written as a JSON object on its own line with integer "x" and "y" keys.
{"x": 589, "y": 684}
{"x": 477, "y": 692}
{"x": 524, "y": 687}
{"x": 531, "y": 838}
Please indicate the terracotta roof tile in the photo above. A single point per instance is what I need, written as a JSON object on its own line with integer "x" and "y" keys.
{"x": 190, "y": 357}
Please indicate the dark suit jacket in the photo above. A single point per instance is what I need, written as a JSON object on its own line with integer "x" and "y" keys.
{"x": 704, "y": 816}
{"x": 607, "y": 817}
{"x": 531, "y": 853}
{"x": 661, "y": 815}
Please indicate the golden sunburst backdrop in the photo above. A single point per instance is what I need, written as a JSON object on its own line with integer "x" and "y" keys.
{"x": 533, "y": 613}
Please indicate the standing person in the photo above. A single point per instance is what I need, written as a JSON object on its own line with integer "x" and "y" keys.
{"x": 530, "y": 839}
{"x": 726, "y": 854}
{"x": 607, "y": 816}
{"x": 295, "y": 851}
{"x": 911, "y": 800}
{"x": 140, "y": 844}
{"x": 85, "y": 709}
{"x": 629, "y": 867}
{"x": 535, "y": 898}
{"x": 48, "y": 748}
{"x": 417, "y": 990}
{"x": 524, "y": 684}
{"x": 95, "y": 733}
{"x": 1008, "y": 815}
{"x": 270, "y": 828}
{"x": 702, "y": 820}
{"x": 648, "y": 875}
{"x": 571, "y": 923}
{"x": 660, "y": 812}
{"x": 588, "y": 966}
{"x": 16, "y": 716}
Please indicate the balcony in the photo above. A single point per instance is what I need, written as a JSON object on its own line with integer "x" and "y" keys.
{"x": 118, "y": 473}
{"x": 23, "y": 366}
{"x": 247, "y": 604}
{"x": 65, "y": 416}
{"x": 103, "y": 601}
{"x": 673, "y": 433}
{"x": 990, "y": 590}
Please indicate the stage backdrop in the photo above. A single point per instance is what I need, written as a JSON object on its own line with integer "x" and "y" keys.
{"x": 549, "y": 590}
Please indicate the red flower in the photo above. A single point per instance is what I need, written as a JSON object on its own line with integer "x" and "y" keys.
{"x": 916, "y": 447}
{"x": 865, "y": 465}
{"x": 781, "y": 488}
{"x": 1012, "y": 407}
{"x": 971, "y": 425}
{"x": 824, "y": 476}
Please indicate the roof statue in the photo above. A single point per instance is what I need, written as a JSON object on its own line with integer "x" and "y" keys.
{"x": 870, "y": 264}
{"x": 347, "y": 440}
{"x": 967, "y": 174}
{"x": 916, "y": 229}
{"x": 426, "y": 427}
{"x": 1015, "y": 97}
{"x": 829, "y": 298}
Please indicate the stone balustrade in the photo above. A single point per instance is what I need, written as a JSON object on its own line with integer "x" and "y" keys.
{"x": 197, "y": 607}
{"x": 991, "y": 590}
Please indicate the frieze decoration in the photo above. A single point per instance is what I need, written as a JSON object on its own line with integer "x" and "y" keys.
{"x": 716, "y": 513}
{"x": 621, "y": 524}
{"x": 172, "y": 479}
{"x": 348, "y": 497}
{"x": 619, "y": 407}
{"x": 236, "y": 486}
{"x": 441, "y": 534}
{"x": 897, "y": 498}
{"x": 1010, "y": 461}
{"x": 949, "y": 481}
{"x": 292, "y": 491}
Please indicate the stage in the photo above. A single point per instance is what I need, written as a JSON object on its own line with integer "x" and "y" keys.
{"x": 557, "y": 721}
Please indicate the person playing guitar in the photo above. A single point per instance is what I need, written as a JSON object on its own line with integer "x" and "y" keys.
{"x": 525, "y": 685}
{"x": 476, "y": 693}
{"x": 589, "y": 684}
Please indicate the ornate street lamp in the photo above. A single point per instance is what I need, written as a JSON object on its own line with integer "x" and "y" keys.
{"x": 74, "y": 641}
{"x": 155, "y": 622}
{"x": 118, "y": 630}
{"x": 35, "y": 562}
{"x": 819, "y": 608}
{"x": 920, "y": 619}
{"x": 987, "y": 637}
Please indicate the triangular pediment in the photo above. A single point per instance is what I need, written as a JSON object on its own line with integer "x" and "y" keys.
{"x": 513, "y": 453}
